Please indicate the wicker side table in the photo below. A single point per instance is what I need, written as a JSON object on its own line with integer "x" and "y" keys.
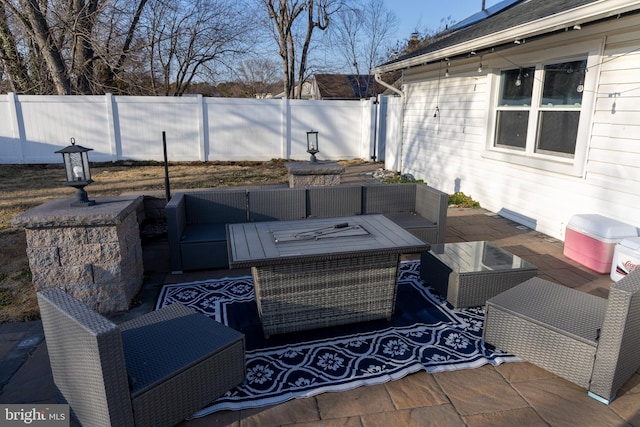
{"x": 467, "y": 274}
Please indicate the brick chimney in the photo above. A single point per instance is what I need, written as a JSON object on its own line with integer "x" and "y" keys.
{"x": 414, "y": 41}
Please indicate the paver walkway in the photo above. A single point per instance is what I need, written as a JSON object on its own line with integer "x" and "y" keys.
{"x": 512, "y": 394}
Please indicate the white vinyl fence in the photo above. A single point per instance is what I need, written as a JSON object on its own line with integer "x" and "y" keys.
{"x": 197, "y": 128}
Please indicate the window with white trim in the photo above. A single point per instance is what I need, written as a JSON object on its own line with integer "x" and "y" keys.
{"x": 537, "y": 115}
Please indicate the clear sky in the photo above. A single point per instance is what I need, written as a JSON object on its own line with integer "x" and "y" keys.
{"x": 428, "y": 14}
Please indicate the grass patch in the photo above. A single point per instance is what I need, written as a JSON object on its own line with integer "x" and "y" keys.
{"x": 5, "y": 296}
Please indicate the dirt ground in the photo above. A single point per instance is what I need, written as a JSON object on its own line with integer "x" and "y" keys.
{"x": 23, "y": 187}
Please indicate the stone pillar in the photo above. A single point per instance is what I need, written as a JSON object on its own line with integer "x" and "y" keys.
{"x": 307, "y": 174}
{"x": 93, "y": 253}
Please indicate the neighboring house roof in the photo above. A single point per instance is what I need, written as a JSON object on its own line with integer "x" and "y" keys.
{"x": 346, "y": 86}
{"x": 516, "y": 20}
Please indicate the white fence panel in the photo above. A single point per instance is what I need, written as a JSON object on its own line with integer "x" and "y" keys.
{"x": 393, "y": 134}
{"x": 339, "y": 125}
{"x": 141, "y": 121}
{"x": 49, "y": 122}
{"x": 197, "y": 128}
{"x": 244, "y": 129}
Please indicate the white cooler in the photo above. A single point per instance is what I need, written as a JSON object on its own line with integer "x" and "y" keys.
{"x": 626, "y": 257}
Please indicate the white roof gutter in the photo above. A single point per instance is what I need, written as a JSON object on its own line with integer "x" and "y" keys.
{"x": 580, "y": 15}
{"x": 387, "y": 85}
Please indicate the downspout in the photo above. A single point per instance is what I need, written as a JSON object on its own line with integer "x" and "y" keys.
{"x": 387, "y": 85}
{"x": 401, "y": 94}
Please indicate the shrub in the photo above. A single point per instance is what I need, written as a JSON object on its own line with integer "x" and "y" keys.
{"x": 461, "y": 200}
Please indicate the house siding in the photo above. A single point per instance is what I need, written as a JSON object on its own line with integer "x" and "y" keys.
{"x": 447, "y": 151}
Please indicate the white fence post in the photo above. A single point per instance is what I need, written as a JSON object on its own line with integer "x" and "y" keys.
{"x": 16, "y": 125}
{"x": 285, "y": 127}
{"x": 381, "y": 129}
{"x": 368, "y": 130}
{"x": 202, "y": 134}
{"x": 112, "y": 124}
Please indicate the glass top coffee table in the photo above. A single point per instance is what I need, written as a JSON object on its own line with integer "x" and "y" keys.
{"x": 467, "y": 274}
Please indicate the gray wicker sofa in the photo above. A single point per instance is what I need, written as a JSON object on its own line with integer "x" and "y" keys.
{"x": 196, "y": 220}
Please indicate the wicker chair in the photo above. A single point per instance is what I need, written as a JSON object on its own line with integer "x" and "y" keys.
{"x": 590, "y": 341}
{"x": 154, "y": 370}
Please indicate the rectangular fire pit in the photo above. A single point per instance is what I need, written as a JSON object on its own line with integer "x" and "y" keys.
{"x": 323, "y": 272}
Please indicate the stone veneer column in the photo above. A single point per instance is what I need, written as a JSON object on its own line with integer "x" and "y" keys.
{"x": 93, "y": 253}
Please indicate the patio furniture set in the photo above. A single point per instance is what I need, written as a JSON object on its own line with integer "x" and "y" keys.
{"x": 322, "y": 257}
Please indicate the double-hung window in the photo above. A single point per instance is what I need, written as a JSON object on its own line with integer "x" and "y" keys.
{"x": 537, "y": 115}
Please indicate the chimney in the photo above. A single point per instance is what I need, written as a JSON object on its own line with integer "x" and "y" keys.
{"x": 414, "y": 41}
{"x": 483, "y": 1}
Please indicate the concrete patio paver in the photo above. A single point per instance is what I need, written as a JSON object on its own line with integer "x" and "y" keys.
{"x": 561, "y": 403}
{"x": 359, "y": 401}
{"x": 515, "y": 417}
{"x": 442, "y": 415}
{"x": 415, "y": 391}
{"x": 479, "y": 390}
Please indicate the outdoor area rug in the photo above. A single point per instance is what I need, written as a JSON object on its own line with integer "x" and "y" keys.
{"x": 424, "y": 333}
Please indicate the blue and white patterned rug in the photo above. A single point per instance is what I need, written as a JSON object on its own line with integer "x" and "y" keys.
{"x": 424, "y": 333}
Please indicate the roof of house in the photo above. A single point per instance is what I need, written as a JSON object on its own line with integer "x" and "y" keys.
{"x": 533, "y": 17}
{"x": 347, "y": 86}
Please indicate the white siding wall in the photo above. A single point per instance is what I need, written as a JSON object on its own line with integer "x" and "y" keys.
{"x": 447, "y": 150}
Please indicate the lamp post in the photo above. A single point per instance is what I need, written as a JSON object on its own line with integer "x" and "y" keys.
{"x": 78, "y": 172}
{"x": 312, "y": 145}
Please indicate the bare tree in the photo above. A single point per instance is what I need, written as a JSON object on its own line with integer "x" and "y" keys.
{"x": 188, "y": 36}
{"x": 119, "y": 46}
{"x": 57, "y": 46}
{"x": 361, "y": 32}
{"x": 258, "y": 76}
{"x": 284, "y": 14}
{"x": 12, "y": 59}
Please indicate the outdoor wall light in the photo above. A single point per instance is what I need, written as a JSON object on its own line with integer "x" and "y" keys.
{"x": 312, "y": 145}
{"x": 78, "y": 172}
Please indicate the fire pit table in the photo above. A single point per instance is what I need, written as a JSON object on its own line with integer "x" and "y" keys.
{"x": 321, "y": 272}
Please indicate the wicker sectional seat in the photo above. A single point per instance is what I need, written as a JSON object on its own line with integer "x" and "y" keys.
{"x": 196, "y": 220}
{"x": 590, "y": 341}
{"x": 153, "y": 370}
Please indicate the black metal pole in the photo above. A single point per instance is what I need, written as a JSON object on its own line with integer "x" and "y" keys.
{"x": 167, "y": 191}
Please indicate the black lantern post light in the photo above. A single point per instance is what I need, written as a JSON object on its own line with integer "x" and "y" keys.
{"x": 312, "y": 144}
{"x": 76, "y": 167}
